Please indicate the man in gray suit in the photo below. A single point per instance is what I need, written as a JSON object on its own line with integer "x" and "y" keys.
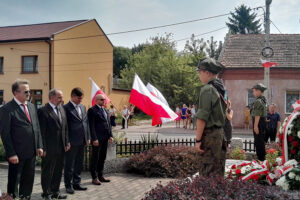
{"x": 20, "y": 133}
{"x": 54, "y": 130}
{"x": 79, "y": 137}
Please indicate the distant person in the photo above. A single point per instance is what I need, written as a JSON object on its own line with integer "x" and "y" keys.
{"x": 131, "y": 113}
{"x": 259, "y": 113}
{"x": 228, "y": 123}
{"x": 112, "y": 116}
{"x": 273, "y": 124}
{"x": 247, "y": 118}
{"x": 22, "y": 140}
{"x": 193, "y": 110}
{"x": 189, "y": 117}
{"x": 79, "y": 137}
{"x": 125, "y": 116}
{"x": 183, "y": 115}
{"x": 177, "y": 120}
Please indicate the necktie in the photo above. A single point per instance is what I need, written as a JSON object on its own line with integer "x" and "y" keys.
{"x": 26, "y": 112}
{"x": 58, "y": 113}
{"x": 104, "y": 113}
{"x": 79, "y": 112}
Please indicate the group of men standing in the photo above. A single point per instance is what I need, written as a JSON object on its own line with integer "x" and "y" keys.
{"x": 57, "y": 133}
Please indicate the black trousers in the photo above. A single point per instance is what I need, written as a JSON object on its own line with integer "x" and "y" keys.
{"x": 52, "y": 166}
{"x": 270, "y": 133}
{"x": 259, "y": 139}
{"x": 123, "y": 123}
{"x": 73, "y": 165}
{"x": 98, "y": 159}
{"x": 21, "y": 178}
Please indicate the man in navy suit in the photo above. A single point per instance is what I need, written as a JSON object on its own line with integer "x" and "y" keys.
{"x": 20, "y": 133}
{"x": 79, "y": 137}
{"x": 100, "y": 129}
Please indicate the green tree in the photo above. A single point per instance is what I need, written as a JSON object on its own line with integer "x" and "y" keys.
{"x": 196, "y": 48}
{"x": 243, "y": 21}
{"x": 121, "y": 57}
{"x": 160, "y": 64}
{"x": 213, "y": 49}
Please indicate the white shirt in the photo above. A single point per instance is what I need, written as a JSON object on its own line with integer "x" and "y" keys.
{"x": 77, "y": 108}
{"x": 125, "y": 112}
{"x": 20, "y": 104}
{"x": 193, "y": 111}
{"x": 53, "y": 107}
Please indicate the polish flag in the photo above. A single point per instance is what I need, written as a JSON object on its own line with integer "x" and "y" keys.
{"x": 267, "y": 64}
{"x": 96, "y": 90}
{"x": 142, "y": 98}
{"x": 155, "y": 92}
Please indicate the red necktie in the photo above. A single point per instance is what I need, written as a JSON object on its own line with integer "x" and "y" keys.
{"x": 26, "y": 112}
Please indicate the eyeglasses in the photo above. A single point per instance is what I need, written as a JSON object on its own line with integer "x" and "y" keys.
{"x": 102, "y": 99}
{"x": 26, "y": 92}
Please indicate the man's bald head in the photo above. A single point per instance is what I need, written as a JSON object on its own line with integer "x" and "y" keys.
{"x": 100, "y": 99}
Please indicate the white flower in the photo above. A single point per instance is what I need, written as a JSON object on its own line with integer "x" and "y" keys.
{"x": 279, "y": 161}
{"x": 289, "y": 132}
{"x": 282, "y": 183}
{"x": 297, "y": 178}
{"x": 227, "y": 170}
{"x": 298, "y": 134}
{"x": 195, "y": 175}
{"x": 292, "y": 175}
{"x": 281, "y": 130}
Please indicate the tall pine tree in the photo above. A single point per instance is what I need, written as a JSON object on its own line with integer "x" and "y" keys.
{"x": 243, "y": 21}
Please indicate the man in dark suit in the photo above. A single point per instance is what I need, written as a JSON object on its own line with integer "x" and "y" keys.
{"x": 54, "y": 130}
{"x": 79, "y": 136}
{"x": 21, "y": 137}
{"x": 100, "y": 129}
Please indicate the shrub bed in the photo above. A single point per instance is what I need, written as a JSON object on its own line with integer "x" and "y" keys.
{"x": 216, "y": 188}
{"x": 165, "y": 161}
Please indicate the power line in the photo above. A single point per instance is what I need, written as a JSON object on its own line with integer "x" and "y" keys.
{"x": 275, "y": 26}
{"x": 187, "y": 38}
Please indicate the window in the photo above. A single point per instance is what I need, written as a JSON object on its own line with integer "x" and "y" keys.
{"x": 251, "y": 98}
{"x": 290, "y": 98}
{"x": 1, "y": 65}
{"x": 1, "y": 97}
{"x": 37, "y": 98}
{"x": 29, "y": 64}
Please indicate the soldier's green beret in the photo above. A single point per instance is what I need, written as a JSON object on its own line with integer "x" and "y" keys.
{"x": 210, "y": 65}
{"x": 259, "y": 86}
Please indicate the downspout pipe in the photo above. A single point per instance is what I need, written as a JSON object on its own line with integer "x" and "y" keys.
{"x": 50, "y": 62}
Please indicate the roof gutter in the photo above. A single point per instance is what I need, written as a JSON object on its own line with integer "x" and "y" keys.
{"x": 25, "y": 40}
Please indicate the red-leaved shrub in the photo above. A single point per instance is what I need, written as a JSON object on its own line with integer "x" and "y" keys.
{"x": 165, "y": 161}
{"x": 217, "y": 188}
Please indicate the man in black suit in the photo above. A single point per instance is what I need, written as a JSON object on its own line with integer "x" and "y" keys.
{"x": 79, "y": 136}
{"x": 21, "y": 137}
{"x": 100, "y": 129}
{"x": 54, "y": 130}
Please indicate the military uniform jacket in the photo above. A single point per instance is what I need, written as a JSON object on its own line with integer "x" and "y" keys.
{"x": 210, "y": 107}
{"x": 259, "y": 107}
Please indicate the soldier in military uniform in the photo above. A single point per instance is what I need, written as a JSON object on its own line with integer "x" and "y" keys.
{"x": 210, "y": 141}
{"x": 259, "y": 113}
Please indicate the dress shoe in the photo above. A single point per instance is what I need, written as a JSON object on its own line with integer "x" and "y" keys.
{"x": 78, "y": 187}
{"x": 103, "y": 180}
{"x": 47, "y": 197}
{"x": 69, "y": 190}
{"x": 96, "y": 181}
{"x": 59, "y": 196}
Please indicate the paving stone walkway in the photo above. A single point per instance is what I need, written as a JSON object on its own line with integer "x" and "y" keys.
{"x": 121, "y": 187}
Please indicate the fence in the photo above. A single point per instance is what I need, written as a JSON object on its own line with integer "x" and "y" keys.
{"x": 129, "y": 148}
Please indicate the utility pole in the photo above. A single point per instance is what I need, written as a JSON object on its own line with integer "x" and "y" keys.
{"x": 267, "y": 44}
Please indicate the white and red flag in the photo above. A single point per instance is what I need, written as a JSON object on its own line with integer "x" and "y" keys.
{"x": 96, "y": 90}
{"x": 142, "y": 98}
{"x": 155, "y": 92}
{"x": 267, "y": 64}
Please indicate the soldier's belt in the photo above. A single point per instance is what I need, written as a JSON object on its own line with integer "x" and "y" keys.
{"x": 212, "y": 128}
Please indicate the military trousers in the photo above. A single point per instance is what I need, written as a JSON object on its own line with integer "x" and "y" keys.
{"x": 214, "y": 156}
{"x": 259, "y": 139}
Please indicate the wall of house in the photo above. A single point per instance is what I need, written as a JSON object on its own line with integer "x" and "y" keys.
{"x": 238, "y": 82}
{"x": 79, "y": 53}
{"x": 12, "y": 68}
{"x": 120, "y": 98}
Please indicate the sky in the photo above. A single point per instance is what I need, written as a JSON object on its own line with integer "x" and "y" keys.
{"x": 122, "y": 15}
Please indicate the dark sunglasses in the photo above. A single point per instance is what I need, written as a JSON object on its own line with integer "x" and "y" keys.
{"x": 26, "y": 92}
{"x": 102, "y": 99}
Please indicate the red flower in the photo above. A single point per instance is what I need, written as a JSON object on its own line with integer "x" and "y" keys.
{"x": 295, "y": 144}
{"x": 252, "y": 170}
{"x": 255, "y": 177}
{"x": 244, "y": 164}
{"x": 290, "y": 138}
{"x": 280, "y": 136}
{"x": 271, "y": 151}
{"x": 238, "y": 171}
{"x": 233, "y": 166}
{"x": 293, "y": 151}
